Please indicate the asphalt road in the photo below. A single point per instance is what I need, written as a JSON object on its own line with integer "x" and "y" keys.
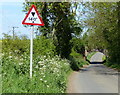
{"x": 97, "y": 57}
{"x": 95, "y": 78}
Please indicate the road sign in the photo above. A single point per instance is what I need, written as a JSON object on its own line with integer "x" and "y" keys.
{"x": 33, "y": 17}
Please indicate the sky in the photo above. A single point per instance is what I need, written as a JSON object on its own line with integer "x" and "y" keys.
{"x": 12, "y": 16}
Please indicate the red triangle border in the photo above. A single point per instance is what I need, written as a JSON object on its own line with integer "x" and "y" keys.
{"x": 33, "y": 6}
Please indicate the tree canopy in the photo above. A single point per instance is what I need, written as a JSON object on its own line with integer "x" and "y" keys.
{"x": 104, "y": 24}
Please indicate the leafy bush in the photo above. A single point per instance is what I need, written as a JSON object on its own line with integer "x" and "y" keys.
{"x": 77, "y": 55}
{"x": 16, "y": 46}
{"x": 78, "y": 46}
{"x": 43, "y": 46}
{"x": 77, "y": 60}
{"x": 110, "y": 64}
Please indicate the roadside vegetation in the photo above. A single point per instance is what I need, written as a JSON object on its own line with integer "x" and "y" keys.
{"x": 49, "y": 74}
{"x": 50, "y": 71}
{"x": 104, "y": 58}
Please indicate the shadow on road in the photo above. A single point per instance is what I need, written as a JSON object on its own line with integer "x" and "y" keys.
{"x": 100, "y": 69}
{"x": 96, "y": 62}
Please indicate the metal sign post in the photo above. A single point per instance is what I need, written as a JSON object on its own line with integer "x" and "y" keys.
{"x": 31, "y": 50}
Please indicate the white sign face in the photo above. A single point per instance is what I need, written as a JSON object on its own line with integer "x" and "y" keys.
{"x": 33, "y": 18}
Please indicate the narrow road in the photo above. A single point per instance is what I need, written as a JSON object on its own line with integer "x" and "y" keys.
{"x": 95, "y": 78}
{"x": 97, "y": 57}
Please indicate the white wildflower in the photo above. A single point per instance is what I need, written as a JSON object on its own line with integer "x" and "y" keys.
{"x": 10, "y": 56}
{"x": 48, "y": 86}
{"x": 42, "y": 73}
{"x": 10, "y": 52}
{"x": 16, "y": 58}
{"x": 40, "y": 68}
{"x": 36, "y": 67}
{"x": 2, "y": 54}
{"x": 44, "y": 66}
{"x": 16, "y": 51}
{"x": 45, "y": 81}
{"x": 21, "y": 59}
{"x": 39, "y": 62}
{"x": 20, "y": 63}
{"x": 41, "y": 79}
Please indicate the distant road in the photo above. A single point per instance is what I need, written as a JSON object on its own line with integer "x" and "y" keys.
{"x": 95, "y": 78}
{"x": 97, "y": 57}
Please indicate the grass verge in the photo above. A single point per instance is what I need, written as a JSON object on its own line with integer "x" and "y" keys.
{"x": 111, "y": 65}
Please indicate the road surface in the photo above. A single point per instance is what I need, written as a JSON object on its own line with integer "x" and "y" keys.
{"x": 97, "y": 57}
{"x": 95, "y": 78}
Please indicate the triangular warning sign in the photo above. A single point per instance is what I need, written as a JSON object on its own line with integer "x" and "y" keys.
{"x": 33, "y": 17}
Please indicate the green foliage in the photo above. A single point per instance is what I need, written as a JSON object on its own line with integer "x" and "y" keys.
{"x": 111, "y": 65}
{"x": 43, "y": 46}
{"x": 78, "y": 46}
{"x": 16, "y": 46}
{"x": 77, "y": 60}
{"x": 77, "y": 55}
{"x": 104, "y": 57}
{"x": 103, "y": 23}
{"x": 62, "y": 28}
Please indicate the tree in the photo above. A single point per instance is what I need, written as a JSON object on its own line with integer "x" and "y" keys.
{"x": 58, "y": 19}
{"x": 104, "y": 22}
